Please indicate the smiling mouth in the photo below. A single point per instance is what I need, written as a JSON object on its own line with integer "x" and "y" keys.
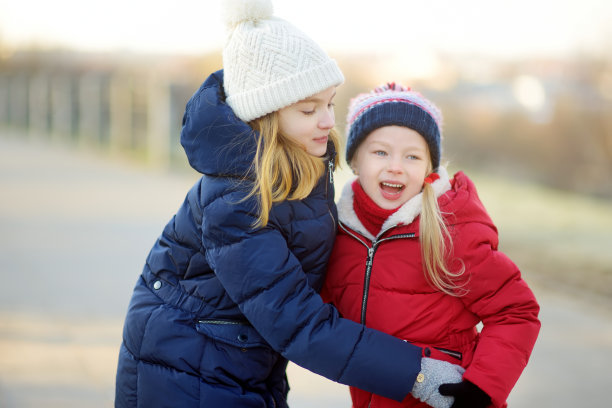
{"x": 391, "y": 188}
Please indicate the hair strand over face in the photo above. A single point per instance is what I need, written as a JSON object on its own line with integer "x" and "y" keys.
{"x": 283, "y": 169}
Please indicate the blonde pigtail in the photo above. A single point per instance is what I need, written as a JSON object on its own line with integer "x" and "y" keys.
{"x": 434, "y": 236}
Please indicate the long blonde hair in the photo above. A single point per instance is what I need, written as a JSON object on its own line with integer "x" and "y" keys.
{"x": 283, "y": 169}
{"x": 434, "y": 236}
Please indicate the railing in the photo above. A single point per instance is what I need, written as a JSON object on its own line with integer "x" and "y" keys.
{"x": 560, "y": 135}
{"x": 137, "y": 113}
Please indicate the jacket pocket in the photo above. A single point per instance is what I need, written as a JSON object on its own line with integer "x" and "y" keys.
{"x": 235, "y": 354}
{"x": 237, "y": 333}
{"x": 453, "y": 353}
{"x": 441, "y": 353}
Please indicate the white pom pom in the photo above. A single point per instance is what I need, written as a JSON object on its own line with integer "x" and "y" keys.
{"x": 237, "y": 11}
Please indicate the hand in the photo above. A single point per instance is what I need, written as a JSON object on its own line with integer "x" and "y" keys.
{"x": 433, "y": 374}
{"x": 467, "y": 395}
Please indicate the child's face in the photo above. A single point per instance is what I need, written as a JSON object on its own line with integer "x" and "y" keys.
{"x": 309, "y": 121}
{"x": 391, "y": 164}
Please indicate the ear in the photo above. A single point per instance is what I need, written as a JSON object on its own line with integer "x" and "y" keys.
{"x": 353, "y": 167}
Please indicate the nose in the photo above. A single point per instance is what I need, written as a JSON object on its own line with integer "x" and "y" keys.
{"x": 394, "y": 165}
{"x": 327, "y": 119}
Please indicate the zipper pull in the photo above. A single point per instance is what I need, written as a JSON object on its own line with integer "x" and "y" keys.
{"x": 370, "y": 255}
{"x": 330, "y": 167}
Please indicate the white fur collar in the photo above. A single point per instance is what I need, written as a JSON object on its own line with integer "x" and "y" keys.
{"x": 405, "y": 214}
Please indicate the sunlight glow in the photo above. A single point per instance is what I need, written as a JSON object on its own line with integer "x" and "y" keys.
{"x": 504, "y": 28}
{"x": 529, "y": 92}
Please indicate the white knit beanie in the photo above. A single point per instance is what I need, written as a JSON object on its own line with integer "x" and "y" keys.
{"x": 268, "y": 63}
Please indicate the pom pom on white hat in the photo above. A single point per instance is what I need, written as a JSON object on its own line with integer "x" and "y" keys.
{"x": 237, "y": 11}
{"x": 268, "y": 63}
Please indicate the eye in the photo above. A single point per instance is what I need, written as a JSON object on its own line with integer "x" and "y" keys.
{"x": 331, "y": 105}
{"x": 308, "y": 113}
{"x": 380, "y": 153}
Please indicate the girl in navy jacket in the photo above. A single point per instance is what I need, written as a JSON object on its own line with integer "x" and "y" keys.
{"x": 229, "y": 291}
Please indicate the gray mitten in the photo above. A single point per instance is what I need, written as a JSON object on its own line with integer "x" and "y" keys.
{"x": 433, "y": 374}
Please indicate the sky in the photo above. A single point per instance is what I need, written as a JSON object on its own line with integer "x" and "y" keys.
{"x": 502, "y": 28}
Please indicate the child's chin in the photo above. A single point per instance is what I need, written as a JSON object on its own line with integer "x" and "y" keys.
{"x": 387, "y": 204}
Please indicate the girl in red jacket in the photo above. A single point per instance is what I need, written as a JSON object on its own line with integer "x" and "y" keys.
{"x": 416, "y": 254}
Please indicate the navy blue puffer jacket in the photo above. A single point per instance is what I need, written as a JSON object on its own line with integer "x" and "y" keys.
{"x": 220, "y": 307}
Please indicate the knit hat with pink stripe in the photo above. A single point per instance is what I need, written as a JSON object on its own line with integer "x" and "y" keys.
{"x": 393, "y": 104}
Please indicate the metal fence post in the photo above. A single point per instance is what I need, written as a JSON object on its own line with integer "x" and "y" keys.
{"x": 39, "y": 106}
{"x": 158, "y": 121}
{"x": 120, "y": 114}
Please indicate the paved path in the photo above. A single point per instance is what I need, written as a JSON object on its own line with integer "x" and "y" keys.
{"x": 74, "y": 232}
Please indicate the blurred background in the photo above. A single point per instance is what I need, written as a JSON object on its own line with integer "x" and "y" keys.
{"x": 91, "y": 101}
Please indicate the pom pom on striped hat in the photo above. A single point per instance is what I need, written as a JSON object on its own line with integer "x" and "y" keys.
{"x": 393, "y": 104}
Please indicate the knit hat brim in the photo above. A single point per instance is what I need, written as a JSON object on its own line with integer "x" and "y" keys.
{"x": 395, "y": 113}
{"x": 255, "y": 103}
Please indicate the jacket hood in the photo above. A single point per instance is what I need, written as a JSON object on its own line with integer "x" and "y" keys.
{"x": 463, "y": 204}
{"x": 215, "y": 140}
{"x": 457, "y": 198}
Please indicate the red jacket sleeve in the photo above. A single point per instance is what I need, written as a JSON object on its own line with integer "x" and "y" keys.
{"x": 506, "y": 306}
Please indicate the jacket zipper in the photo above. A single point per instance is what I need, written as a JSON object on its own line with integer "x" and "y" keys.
{"x": 224, "y": 321}
{"x": 370, "y": 262}
{"x": 330, "y": 181}
{"x": 367, "y": 272}
{"x": 366, "y": 282}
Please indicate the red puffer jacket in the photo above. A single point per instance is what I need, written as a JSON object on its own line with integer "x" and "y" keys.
{"x": 379, "y": 281}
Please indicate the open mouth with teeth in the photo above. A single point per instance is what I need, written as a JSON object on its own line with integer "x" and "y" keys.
{"x": 391, "y": 190}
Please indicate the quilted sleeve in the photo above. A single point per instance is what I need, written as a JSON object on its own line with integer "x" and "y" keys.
{"x": 507, "y": 308}
{"x": 266, "y": 281}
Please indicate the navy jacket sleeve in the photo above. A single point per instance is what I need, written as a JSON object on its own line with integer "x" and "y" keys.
{"x": 267, "y": 282}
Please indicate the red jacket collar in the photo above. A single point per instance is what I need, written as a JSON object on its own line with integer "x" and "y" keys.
{"x": 457, "y": 197}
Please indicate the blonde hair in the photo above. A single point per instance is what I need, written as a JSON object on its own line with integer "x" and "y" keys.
{"x": 283, "y": 169}
{"x": 434, "y": 236}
